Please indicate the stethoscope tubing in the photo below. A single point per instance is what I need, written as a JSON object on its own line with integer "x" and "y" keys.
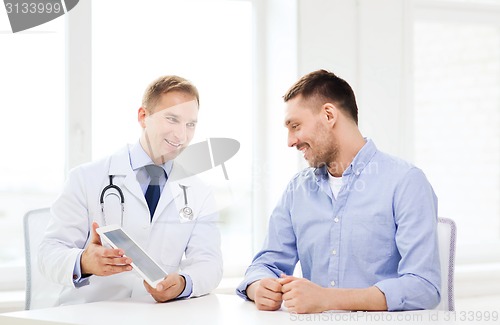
{"x": 120, "y": 195}
{"x": 186, "y": 212}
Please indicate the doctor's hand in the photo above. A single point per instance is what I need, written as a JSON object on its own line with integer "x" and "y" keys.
{"x": 266, "y": 293}
{"x": 170, "y": 288}
{"x": 303, "y": 296}
{"x": 99, "y": 260}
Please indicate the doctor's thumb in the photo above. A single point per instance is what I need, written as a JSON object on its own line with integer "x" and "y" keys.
{"x": 95, "y": 238}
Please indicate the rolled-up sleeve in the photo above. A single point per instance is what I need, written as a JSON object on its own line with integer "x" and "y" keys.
{"x": 279, "y": 252}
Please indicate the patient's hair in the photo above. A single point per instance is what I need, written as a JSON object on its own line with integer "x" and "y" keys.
{"x": 166, "y": 84}
{"x": 326, "y": 87}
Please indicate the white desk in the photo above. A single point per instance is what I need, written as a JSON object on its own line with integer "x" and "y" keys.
{"x": 210, "y": 309}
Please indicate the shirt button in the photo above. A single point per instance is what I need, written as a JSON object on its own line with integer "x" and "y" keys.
{"x": 336, "y": 219}
{"x": 334, "y": 252}
{"x": 357, "y": 173}
{"x": 332, "y": 283}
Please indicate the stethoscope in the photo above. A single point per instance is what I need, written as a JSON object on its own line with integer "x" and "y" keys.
{"x": 185, "y": 213}
{"x": 112, "y": 186}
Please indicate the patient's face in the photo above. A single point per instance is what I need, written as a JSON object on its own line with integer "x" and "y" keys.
{"x": 309, "y": 133}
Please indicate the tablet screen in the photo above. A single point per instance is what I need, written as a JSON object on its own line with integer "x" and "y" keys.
{"x": 138, "y": 256}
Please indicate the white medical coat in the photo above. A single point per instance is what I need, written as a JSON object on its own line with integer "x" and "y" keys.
{"x": 192, "y": 247}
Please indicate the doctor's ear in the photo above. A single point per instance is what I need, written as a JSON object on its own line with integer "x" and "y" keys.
{"x": 141, "y": 116}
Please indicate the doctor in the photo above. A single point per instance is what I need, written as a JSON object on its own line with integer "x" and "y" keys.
{"x": 188, "y": 249}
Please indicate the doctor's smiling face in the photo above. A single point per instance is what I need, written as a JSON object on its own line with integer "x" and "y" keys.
{"x": 169, "y": 126}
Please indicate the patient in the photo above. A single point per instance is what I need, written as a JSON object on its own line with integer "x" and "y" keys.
{"x": 362, "y": 223}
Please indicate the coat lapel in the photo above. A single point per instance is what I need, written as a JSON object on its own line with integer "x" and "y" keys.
{"x": 120, "y": 165}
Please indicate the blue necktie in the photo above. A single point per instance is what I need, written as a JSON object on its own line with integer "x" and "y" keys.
{"x": 153, "y": 192}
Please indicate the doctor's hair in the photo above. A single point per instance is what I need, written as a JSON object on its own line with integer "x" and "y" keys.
{"x": 326, "y": 87}
{"x": 166, "y": 84}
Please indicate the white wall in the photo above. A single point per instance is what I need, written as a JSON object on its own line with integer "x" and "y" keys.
{"x": 367, "y": 43}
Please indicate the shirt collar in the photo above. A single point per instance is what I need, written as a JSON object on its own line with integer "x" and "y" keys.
{"x": 139, "y": 158}
{"x": 357, "y": 165}
{"x": 362, "y": 159}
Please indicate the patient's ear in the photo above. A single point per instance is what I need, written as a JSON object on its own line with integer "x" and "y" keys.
{"x": 330, "y": 113}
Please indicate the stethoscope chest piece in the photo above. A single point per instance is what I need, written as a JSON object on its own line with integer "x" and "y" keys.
{"x": 186, "y": 213}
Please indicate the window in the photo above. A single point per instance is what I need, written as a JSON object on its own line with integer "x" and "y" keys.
{"x": 207, "y": 42}
{"x": 457, "y": 120}
{"x": 32, "y": 101}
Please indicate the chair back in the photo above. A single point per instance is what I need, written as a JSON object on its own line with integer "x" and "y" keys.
{"x": 40, "y": 292}
{"x": 447, "y": 235}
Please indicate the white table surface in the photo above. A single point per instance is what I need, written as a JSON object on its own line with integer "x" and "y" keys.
{"x": 210, "y": 309}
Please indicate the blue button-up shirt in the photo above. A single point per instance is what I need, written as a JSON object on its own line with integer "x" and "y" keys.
{"x": 380, "y": 231}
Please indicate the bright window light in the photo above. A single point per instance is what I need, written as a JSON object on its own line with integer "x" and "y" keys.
{"x": 32, "y": 132}
{"x": 457, "y": 122}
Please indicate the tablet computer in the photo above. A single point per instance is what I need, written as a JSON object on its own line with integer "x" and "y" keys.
{"x": 147, "y": 268}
